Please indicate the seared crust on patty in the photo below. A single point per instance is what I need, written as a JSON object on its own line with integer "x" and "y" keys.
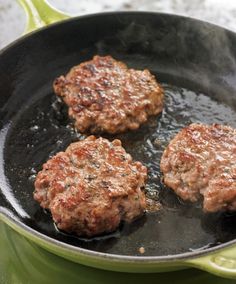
{"x": 201, "y": 160}
{"x": 91, "y": 187}
{"x": 103, "y": 95}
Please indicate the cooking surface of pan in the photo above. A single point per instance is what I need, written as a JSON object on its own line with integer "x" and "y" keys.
{"x": 197, "y": 76}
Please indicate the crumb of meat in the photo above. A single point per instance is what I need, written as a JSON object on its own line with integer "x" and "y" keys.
{"x": 152, "y": 205}
{"x": 141, "y": 250}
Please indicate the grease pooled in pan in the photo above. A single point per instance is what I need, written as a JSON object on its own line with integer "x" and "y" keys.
{"x": 42, "y": 129}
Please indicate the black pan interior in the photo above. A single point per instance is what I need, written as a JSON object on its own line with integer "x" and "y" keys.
{"x": 196, "y": 64}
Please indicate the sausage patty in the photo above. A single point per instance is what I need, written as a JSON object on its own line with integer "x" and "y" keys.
{"x": 91, "y": 187}
{"x": 201, "y": 161}
{"x": 103, "y": 95}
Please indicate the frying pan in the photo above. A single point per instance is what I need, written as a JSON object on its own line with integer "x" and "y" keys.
{"x": 196, "y": 63}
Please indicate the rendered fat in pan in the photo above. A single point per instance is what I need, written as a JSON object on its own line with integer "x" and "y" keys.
{"x": 195, "y": 62}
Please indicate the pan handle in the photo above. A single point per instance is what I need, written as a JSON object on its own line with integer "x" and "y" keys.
{"x": 222, "y": 263}
{"x": 40, "y": 13}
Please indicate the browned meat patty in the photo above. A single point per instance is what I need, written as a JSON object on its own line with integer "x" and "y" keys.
{"x": 103, "y": 95}
{"x": 201, "y": 161}
{"x": 91, "y": 187}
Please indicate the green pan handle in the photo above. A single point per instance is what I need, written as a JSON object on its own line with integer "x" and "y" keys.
{"x": 40, "y": 13}
{"x": 222, "y": 263}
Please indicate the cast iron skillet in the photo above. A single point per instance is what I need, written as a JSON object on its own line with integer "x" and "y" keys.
{"x": 194, "y": 60}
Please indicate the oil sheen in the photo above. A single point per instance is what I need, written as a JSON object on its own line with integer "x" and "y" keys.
{"x": 170, "y": 226}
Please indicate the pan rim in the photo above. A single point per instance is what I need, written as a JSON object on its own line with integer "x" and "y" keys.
{"x": 12, "y": 217}
{"x": 102, "y": 14}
